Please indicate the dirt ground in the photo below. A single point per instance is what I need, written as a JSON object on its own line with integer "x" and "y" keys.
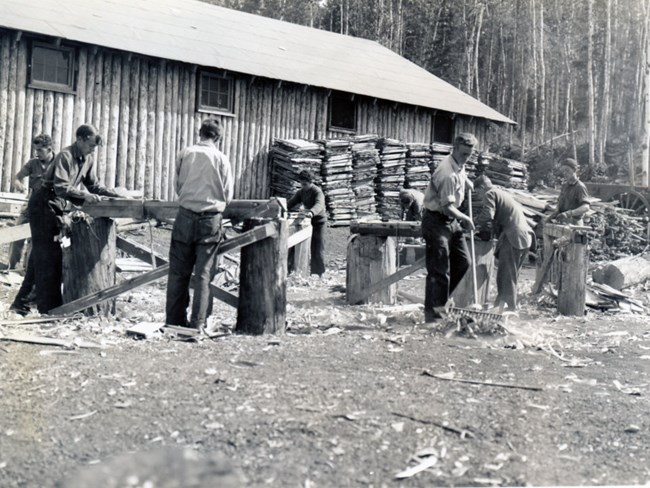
{"x": 348, "y": 397}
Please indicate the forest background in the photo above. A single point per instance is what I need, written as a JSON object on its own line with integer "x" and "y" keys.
{"x": 574, "y": 75}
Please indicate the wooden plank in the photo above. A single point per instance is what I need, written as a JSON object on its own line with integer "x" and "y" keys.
{"x": 387, "y": 229}
{"x": 389, "y": 280}
{"x": 225, "y": 296}
{"x": 245, "y": 239}
{"x": 299, "y": 236}
{"x": 165, "y": 210}
{"x": 15, "y": 233}
{"x": 138, "y": 251}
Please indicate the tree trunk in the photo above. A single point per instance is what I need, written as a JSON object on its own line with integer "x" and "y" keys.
{"x": 89, "y": 263}
{"x": 590, "y": 80}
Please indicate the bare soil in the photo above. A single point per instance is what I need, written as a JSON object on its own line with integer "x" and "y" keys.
{"x": 346, "y": 397}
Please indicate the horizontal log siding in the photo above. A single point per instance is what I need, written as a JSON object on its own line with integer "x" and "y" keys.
{"x": 146, "y": 111}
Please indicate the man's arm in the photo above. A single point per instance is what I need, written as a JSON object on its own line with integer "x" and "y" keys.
{"x": 319, "y": 202}
{"x": 449, "y": 208}
{"x": 25, "y": 171}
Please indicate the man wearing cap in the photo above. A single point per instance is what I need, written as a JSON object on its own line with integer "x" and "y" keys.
{"x": 573, "y": 201}
{"x": 504, "y": 217}
{"x": 447, "y": 257}
{"x": 312, "y": 199}
{"x": 70, "y": 178}
{"x": 412, "y": 203}
{"x": 205, "y": 186}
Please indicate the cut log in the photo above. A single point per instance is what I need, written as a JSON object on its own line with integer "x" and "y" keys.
{"x": 89, "y": 263}
{"x": 624, "y": 272}
{"x": 263, "y": 282}
{"x": 371, "y": 259}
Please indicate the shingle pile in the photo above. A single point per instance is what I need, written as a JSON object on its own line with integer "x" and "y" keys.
{"x": 288, "y": 158}
{"x": 390, "y": 177}
{"x": 439, "y": 152}
{"x": 365, "y": 158}
{"x": 336, "y": 170}
{"x": 506, "y": 172}
{"x": 418, "y": 162}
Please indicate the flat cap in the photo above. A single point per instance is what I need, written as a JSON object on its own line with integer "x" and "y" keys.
{"x": 571, "y": 163}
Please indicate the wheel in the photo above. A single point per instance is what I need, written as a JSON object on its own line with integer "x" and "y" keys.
{"x": 634, "y": 201}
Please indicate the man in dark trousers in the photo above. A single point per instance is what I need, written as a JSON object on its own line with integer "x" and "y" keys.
{"x": 573, "y": 201}
{"x": 34, "y": 168}
{"x": 447, "y": 256}
{"x": 313, "y": 200}
{"x": 205, "y": 187}
{"x": 412, "y": 203}
{"x": 71, "y": 179}
{"x": 504, "y": 217}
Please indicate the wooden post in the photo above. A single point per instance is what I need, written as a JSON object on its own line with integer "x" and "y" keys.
{"x": 89, "y": 263}
{"x": 573, "y": 276}
{"x": 370, "y": 260}
{"x": 263, "y": 282}
{"x": 300, "y": 253}
{"x": 463, "y": 294}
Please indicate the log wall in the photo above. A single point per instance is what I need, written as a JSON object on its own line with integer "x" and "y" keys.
{"x": 145, "y": 109}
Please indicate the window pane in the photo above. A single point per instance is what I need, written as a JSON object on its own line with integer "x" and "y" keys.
{"x": 215, "y": 92}
{"x": 51, "y": 65}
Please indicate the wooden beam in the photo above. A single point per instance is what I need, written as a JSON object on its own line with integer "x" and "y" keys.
{"x": 138, "y": 251}
{"x": 225, "y": 296}
{"x": 165, "y": 210}
{"x": 245, "y": 239}
{"x": 299, "y": 236}
{"x": 394, "y": 228}
{"x": 389, "y": 280}
{"x": 15, "y": 233}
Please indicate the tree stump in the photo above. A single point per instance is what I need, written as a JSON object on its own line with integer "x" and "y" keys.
{"x": 463, "y": 295}
{"x": 263, "y": 282}
{"x": 574, "y": 265}
{"x": 89, "y": 263}
{"x": 370, "y": 260}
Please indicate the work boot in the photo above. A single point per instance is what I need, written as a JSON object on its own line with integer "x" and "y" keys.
{"x": 20, "y": 308}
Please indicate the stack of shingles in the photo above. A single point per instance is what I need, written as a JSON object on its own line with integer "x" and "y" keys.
{"x": 390, "y": 177}
{"x": 418, "y": 162}
{"x": 439, "y": 152}
{"x": 365, "y": 159}
{"x": 337, "y": 181}
{"x": 288, "y": 158}
{"x": 506, "y": 172}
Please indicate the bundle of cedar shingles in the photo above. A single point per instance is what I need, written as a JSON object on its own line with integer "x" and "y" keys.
{"x": 390, "y": 177}
{"x": 336, "y": 170}
{"x": 365, "y": 159}
{"x": 288, "y": 158}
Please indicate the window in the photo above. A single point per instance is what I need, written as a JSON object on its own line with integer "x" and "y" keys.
{"x": 443, "y": 127}
{"x": 343, "y": 113}
{"x": 216, "y": 92}
{"x": 52, "y": 67}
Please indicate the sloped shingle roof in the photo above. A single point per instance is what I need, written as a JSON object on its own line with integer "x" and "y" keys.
{"x": 207, "y": 35}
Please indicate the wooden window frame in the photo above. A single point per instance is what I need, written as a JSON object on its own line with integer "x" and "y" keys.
{"x": 336, "y": 128}
{"x": 68, "y": 87}
{"x": 201, "y": 107}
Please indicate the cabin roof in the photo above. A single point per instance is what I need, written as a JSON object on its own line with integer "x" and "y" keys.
{"x": 199, "y": 33}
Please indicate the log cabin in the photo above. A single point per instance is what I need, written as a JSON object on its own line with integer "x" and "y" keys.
{"x": 147, "y": 72}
